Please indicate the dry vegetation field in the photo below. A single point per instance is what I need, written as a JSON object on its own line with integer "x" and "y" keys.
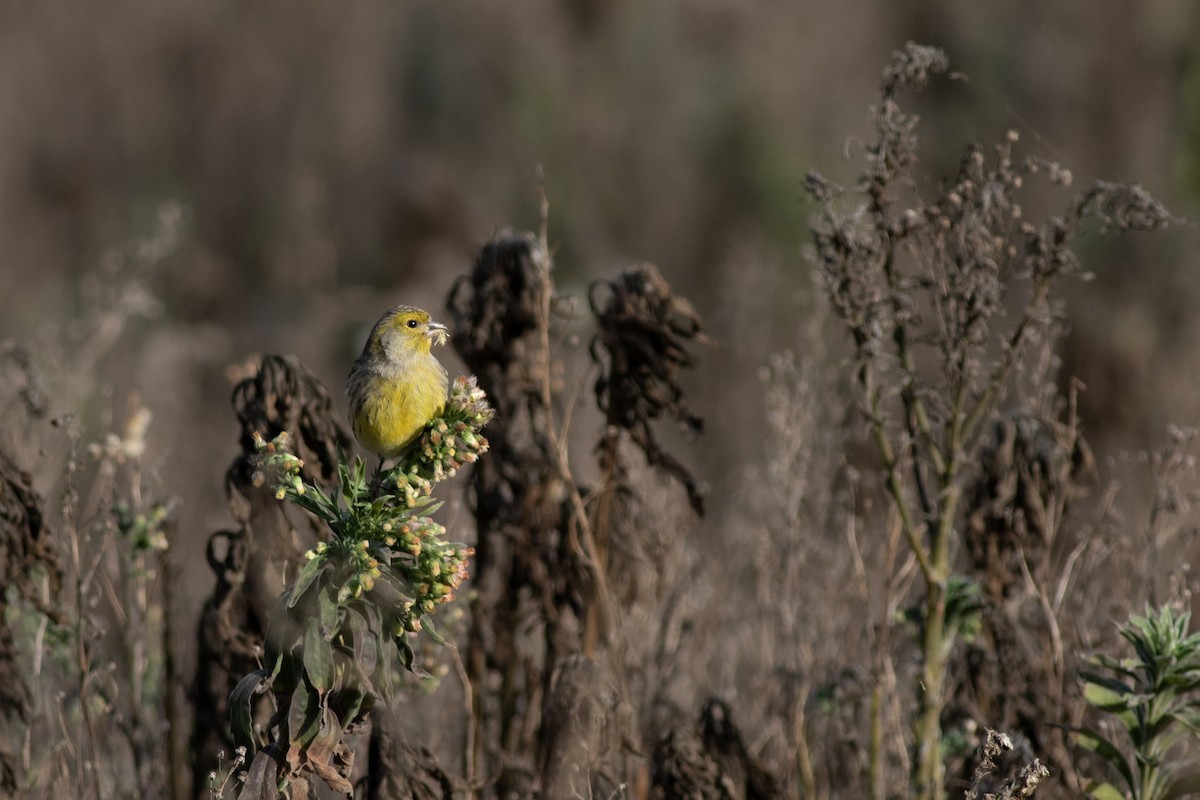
{"x": 833, "y": 400}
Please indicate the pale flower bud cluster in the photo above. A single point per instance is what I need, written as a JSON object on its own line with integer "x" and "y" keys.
{"x": 275, "y": 460}
{"x": 450, "y": 440}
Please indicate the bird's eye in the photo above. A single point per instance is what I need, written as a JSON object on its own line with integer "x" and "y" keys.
{"x": 412, "y": 323}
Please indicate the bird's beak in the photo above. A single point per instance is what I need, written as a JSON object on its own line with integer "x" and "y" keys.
{"x": 437, "y": 332}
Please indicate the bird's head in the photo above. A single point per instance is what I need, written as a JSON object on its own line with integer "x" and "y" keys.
{"x": 405, "y": 330}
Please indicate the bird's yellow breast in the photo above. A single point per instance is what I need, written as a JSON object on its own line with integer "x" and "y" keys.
{"x": 397, "y": 406}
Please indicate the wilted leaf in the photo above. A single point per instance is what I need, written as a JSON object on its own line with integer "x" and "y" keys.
{"x": 324, "y": 748}
{"x": 262, "y": 780}
{"x": 302, "y": 719}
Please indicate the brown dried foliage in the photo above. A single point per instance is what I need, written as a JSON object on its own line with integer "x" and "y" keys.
{"x": 1004, "y": 772}
{"x": 641, "y": 348}
{"x": 401, "y": 770}
{"x": 20, "y": 371}
{"x": 528, "y": 577}
{"x": 27, "y": 552}
{"x": 710, "y": 762}
{"x": 585, "y": 724}
{"x": 946, "y": 299}
{"x": 27, "y": 549}
{"x": 1029, "y": 468}
{"x": 545, "y": 660}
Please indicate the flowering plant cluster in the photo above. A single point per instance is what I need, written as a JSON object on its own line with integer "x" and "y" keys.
{"x": 363, "y": 591}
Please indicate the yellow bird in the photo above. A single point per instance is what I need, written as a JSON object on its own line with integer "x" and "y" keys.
{"x": 396, "y": 385}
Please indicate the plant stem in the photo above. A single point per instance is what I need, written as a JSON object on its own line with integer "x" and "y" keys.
{"x": 875, "y": 743}
{"x": 176, "y": 763}
{"x": 82, "y": 659}
{"x": 582, "y": 534}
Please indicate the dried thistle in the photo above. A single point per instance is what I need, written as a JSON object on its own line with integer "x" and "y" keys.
{"x": 1029, "y": 468}
{"x": 495, "y": 309}
{"x": 527, "y": 574}
{"x": 641, "y": 348}
{"x": 986, "y": 785}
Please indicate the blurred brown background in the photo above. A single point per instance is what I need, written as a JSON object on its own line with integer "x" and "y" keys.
{"x": 326, "y": 161}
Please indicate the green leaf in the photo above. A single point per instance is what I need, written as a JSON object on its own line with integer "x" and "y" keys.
{"x": 1103, "y": 791}
{"x": 1114, "y": 697}
{"x": 408, "y": 656}
{"x": 328, "y": 610}
{"x": 363, "y": 643}
{"x": 241, "y": 706}
{"x": 346, "y": 483}
{"x": 427, "y": 626}
{"x": 1124, "y": 666}
{"x": 390, "y": 591}
{"x": 424, "y": 504}
{"x": 1148, "y": 658}
{"x": 1190, "y": 719}
{"x": 318, "y": 658}
{"x": 307, "y": 575}
{"x": 383, "y": 672}
{"x": 351, "y": 701}
{"x": 1090, "y": 740}
{"x": 1182, "y": 679}
{"x": 315, "y": 500}
{"x": 1105, "y": 693}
